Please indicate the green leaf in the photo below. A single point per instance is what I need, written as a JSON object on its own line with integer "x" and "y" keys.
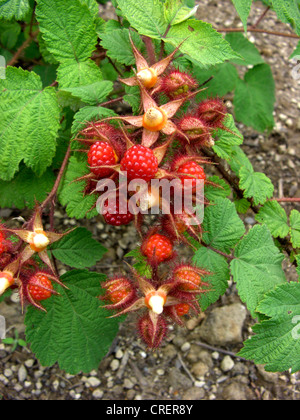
{"x": 9, "y": 33}
{"x": 92, "y": 94}
{"x": 222, "y": 226}
{"x": 141, "y": 265}
{"x": 225, "y": 77}
{"x": 26, "y": 189}
{"x": 133, "y": 98}
{"x": 256, "y": 185}
{"x": 146, "y": 16}
{"x": 211, "y": 192}
{"x": 275, "y": 218}
{"x": 218, "y": 280}
{"x": 255, "y": 98}
{"x": 67, "y": 29}
{"x": 277, "y": 340}
{"x": 203, "y": 44}
{"x": 243, "y": 8}
{"x": 72, "y": 73}
{"x": 288, "y": 12}
{"x": 298, "y": 265}
{"x": 29, "y": 121}
{"x": 75, "y": 332}
{"x": 176, "y": 11}
{"x": 118, "y": 45}
{"x": 296, "y": 53}
{"x": 14, "y": 9}
{"x": 90, "y": 113}
{"x": 242, "y": 205}
{"x": 227, "y": 140}
{"x": 78, "y": 249}
{"x": 257, "y": 268}
{"x": 295, "y": 228}
{"x": 250, "y": 54}
{"x": 71, "y": 192}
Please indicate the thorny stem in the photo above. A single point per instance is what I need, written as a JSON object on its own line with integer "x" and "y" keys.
{"x": 262, "y": 17}
{"x": 286, "y": 200}
{"x": 228, "y": 257}
{"x": 51, "y": 197}
{"x": 150, "y": 50}
{"x": 25, "y": 44}
{"x": 112, "y": 101}
{"x": 262, "y": 31}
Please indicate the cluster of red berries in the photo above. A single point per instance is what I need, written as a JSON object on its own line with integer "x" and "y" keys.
{"x": 161, "y": 301}
{"x": 140, "y": 146}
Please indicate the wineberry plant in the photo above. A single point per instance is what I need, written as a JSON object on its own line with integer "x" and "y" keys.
{"x": 89, "y": 109}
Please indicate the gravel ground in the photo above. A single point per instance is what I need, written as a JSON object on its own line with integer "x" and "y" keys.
{"x": 197, "y": 362}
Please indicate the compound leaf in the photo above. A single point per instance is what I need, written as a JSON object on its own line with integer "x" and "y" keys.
{"x": 14, "y": 9}
{"x": 222, "y": 226}
{"x": 75, "y": 331}
{"x": 29, "y": 121}
{"x": 78, "y": 249}
{"x": 275, "y": 217}
{"x": 257, "y": 268}
{"x": 295, "y": 228}
{"x": 218, "y": 280}
{"x": 277, "y": 340}
{"x": 67, "y": 28}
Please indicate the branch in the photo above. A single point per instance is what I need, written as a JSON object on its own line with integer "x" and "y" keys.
{"x": 262, "y": 17}
{"x": 51, "y": 197}
{"x": 262, "y": 31}
{"x": 286, "y": 200}
{"x": 25, "y": 44}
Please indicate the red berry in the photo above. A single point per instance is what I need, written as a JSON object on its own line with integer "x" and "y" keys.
{"x": 158, "y": 247}
{"x": 189, "y": 279}
{"x": 101, "y": 154}
{"x": 112, "y": 216}
{"x": 182, "y": 309}
{"x": 40, "y": 287}
{"x": 119, "y": 292}
{"x": 195, "y": 171}
{"x": 140, "y": 163}
{"x": 3, "y": 243}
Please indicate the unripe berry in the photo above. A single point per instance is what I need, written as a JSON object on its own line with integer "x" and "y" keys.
{"x": 155, "y": 119}
{"x": 152, "y": 331}
{"x": 188, "y": 278}
{"x": 195, "y": 129}
{"x": 177, "y": 84}
{"x": 213, "y": 112}
{"x": 119, "y": 292}
{"x": 147, "y": 77}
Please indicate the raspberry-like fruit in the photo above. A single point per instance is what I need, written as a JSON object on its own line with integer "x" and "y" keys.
{"x": 118, "y": 292}
{"x": 40, "y": 287}
{"x": 182, "y": 309}
{"x": 140, "y": 163}
{"x": 190, "y": 280}
{"x": 112, "y": 213}
{"x": 101, "y": 154}
{"x": 193, "y": 171}
{"x": 158, "y": 247}
{"x": 213, "y": 112}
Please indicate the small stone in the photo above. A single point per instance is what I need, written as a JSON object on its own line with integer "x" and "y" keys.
{"x": 18, "y": 388}
{"x": 27, "y": 384}
{"x": 119, "y": 354}
{"x": 8, "y": 373}
{"x": 128, "y": 384}
{"x": 22, "y": 374}
{"x": 55, "y": 385}
{"x": 93, "y": 382}
{"x": 215, "y": 355}
{"x": 98, "y": 394}
{"x": 160, "y": 372}
{"x": 227, "y": 364}
{"x": 185, "y": 347}
{"x": 29, "y": 363}
{"x": 115, "y": 364}
{"x": 200, "y": 369}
